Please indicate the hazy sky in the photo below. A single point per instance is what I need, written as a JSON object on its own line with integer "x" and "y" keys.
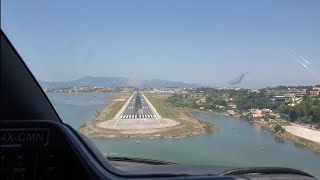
{"x": 209, "y": 42}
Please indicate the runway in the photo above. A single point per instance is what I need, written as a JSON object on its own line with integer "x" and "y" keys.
{"x": 137, "y": 108}
{"x": 137, "y": 115}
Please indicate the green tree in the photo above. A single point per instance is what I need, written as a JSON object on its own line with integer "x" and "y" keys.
{"x": 304, "y": 119}
{"x": 315, "y": 113}
{"x": 194, "y": 105}
{"x": 279, "y": 128}
{"x": 220, "y": 101}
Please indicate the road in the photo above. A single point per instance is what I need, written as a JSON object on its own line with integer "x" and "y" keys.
{"x": 137, "y": 108}
{"x": 304, "y": 132}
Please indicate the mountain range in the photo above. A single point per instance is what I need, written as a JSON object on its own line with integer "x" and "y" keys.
{"x": 116, "y": 82}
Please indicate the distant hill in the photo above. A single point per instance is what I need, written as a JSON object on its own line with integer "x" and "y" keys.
{"x": 116, "y": 82}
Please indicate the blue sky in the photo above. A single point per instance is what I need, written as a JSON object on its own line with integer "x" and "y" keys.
{"x": 207, "y": 42}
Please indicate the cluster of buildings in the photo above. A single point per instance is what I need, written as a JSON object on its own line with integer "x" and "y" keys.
{"x": 259, "y": 113}
{"x": 91, "y": 89}
{"x": 315, "y": 91}
{"x": 168, "y": 90}
{"x": 292, "y": 95}
{"x": 229, "y": 88}
{"x": 286, "y": 95}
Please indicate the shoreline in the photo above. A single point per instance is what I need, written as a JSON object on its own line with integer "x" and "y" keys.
{"x": 292, "y": 137}
{"x": 285, "y": 135}
{"x": 185, "y": 126}
{"x": 296, "y": 139}
{"x": 166, "y": 133}
{"x": 207, "y": 112}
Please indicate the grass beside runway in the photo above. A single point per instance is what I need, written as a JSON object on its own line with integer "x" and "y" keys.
{"x": 113, "y": 110}
{"x": 185, "y": 127}
{"x": 166, "y": 110}
{"x": 114, "y": 106}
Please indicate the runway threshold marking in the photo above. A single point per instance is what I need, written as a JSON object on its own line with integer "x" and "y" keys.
{"x": 124, "y": 109}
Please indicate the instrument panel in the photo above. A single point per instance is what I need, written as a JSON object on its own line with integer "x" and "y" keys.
{"x": 51, "y": 150}
{"x": 34, "y": 150}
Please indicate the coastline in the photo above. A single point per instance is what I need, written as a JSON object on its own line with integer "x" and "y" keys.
{"x": 289, "y": 136}
{"x": 310, "y": 144}
{"x": 285, "y": 135}
{"x": 304, "y": 132}
{"x": 185, "y": 125}
{"x": 207, "y": 112}
{"x": 91, "y": 129}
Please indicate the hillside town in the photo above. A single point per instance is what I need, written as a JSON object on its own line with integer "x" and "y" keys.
{"x": 88, "y": 89}
{"x": 268, "y": 105}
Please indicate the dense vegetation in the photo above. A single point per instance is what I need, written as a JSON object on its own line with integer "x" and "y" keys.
{"x": 255, "y": 100}
{"x": 178, "y": 100}
{"x": 308, "y": 111}
{"x": 215, "y": 98}
{"x": 279, "y": 128}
